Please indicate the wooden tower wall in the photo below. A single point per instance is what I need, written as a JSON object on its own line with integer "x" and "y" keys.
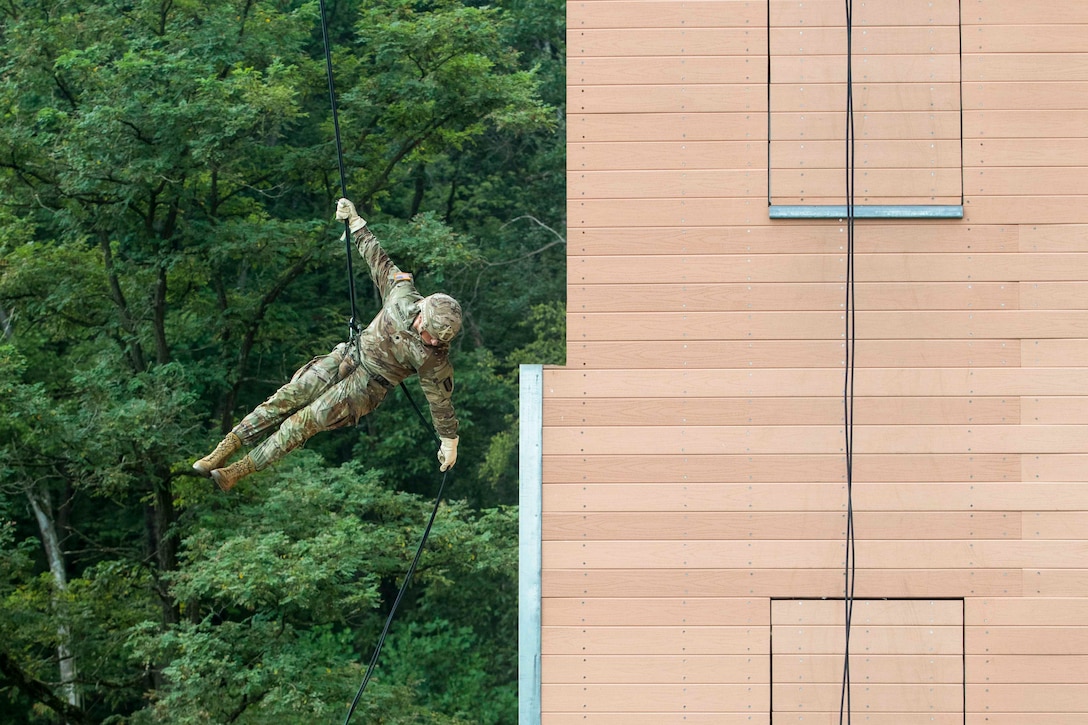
{"x": 694, "y": 481}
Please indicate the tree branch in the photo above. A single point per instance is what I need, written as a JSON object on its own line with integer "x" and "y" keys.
{"x": 38, "y": 691}
{"x": 136, "y": 353}
{"x": 559, "y": 239}
{"x": 250, "y": 336}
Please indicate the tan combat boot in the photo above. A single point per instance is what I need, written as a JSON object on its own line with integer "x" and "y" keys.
{"x": 219, "y": 456}
{"x": 232, "y": 474}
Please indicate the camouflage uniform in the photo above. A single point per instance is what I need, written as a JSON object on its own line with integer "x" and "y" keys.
{"x": 336, "y": 390}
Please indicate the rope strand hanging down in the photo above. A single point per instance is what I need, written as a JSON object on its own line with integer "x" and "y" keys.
{"x": 848, "y": 386}
{"x": 353, "y": 328}
{"x": 353, "y": 325}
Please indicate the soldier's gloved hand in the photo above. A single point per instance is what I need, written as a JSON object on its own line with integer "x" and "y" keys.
{"x": 345, "y": 211}
{"x": 447, "y": 454}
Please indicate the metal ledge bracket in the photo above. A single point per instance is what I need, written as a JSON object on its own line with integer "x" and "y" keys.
{"x": 890, "y": 211}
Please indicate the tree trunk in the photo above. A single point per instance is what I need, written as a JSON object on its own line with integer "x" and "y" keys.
{"x": 43, "y": 512}
{"x": 164, "y": 543}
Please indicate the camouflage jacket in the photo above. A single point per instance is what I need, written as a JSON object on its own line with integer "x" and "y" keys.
{"x": 390, "y": 346}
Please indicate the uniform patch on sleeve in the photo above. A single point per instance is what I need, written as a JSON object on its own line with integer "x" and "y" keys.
{"x": 402, "y": 277}
{"x": 448, "y": 385}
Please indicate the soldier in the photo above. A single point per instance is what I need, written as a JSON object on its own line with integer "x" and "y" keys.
{"x": 409, "y": 336}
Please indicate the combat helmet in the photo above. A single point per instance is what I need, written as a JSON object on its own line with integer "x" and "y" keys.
{"x": 440, "y": 315}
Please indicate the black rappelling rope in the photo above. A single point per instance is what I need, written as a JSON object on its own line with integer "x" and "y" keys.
{"x": 354, "y": 336}
{"x": 353, "y": 326}
{"x": 407, "y": 577}
{"x": 848, "y": 387}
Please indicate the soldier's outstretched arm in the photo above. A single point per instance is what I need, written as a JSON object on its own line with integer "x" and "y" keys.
{"x": 437, "y": 384}
{"x": 382, "y": 270}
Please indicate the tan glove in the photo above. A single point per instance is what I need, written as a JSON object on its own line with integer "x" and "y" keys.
{"x": 447, "y": 454}
{"x": 345, "y": 211}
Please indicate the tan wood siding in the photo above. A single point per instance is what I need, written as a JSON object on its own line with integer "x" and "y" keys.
{"x": 694, "y": 444}
{"x": 899, "y": 61}
{"x": 911, "y": 652}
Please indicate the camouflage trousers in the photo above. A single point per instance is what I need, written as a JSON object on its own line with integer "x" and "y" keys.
{"x": 321, "y": 396}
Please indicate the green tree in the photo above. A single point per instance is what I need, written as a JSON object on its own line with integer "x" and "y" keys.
{"x": 281, "y": 583}
{"x": 167, "y": 259}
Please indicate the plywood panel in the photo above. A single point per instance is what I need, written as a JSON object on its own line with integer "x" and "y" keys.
{"x": 788, "y": 383}
{"x": 725, "y": 211}
{"x": 666, "y": 155}
{"x": 1068, "y": 467}
{"x": 780, "y": 469}
{"x": 658, "y": 184}
{"x": 941, "y": 66}
{"x": 769, "y": 554}
{"x": 810, "y": 41}
{"x": 869, "y": 154}
{"x": 832, "y": 198}
{"x": 1009, "y": 66}
{"x": 1027, "y": 611}
{"x": 779, "y": 411}
{"x": 827, "y": 268}
{"x": 662, "y": 718}
{"x": 649, "y": 698}
{"x": 804, "y": 497}
{"x": 906, "y": 655}
{"x": 1024, "y": 39}
{"x": 989, "y": 717}
{"x": 665, "y": 70}
{"x": 1023, "y": 96}
{"x": 823, "y": 13}
{"x": 1054, "y": 238}
{"x": 1023, "y": 210}
{"x": 903, "y": 613}
{"x": 1023, "y": 669}
{"x": 1041, "y": 411}
{"x": 928, "y": 582}
{"x": 795, "y": 354}
{"x": 666, "y": 326}
{"x": 1027, "y": 698}
{"x": 1060, "y": 123}
{"x": 1054, "y": 296}
{"x": 928, "y": 181}
{"x": 900, "y": 698}
{"x": 1026, "y": 152}
{"x": 666, "y": 213}
{"x": 691, "y": 105}
{"x": 693, "y": 123}
{"x": 1015, "y": 181}
{"x": 1068, "y": 525}
{"x": 702, "y": 612}
{"x": 874, "y": 668}
{"x": 664, "y": 14}
{"x": 708, "y": 440}
{"x": 621, "y": 669}
{"x": 787, "y": 525}
{"x": 921, "y": 717}
{"x": 1008, "y": 639}
{"x": 877, "y": 97}
{"x": 622, "y": 42}
{"x": 1056, "y": 12}
{"x": 740, "y": 211}
{"x": 1056, "y": 583}
{"x": 876, "y": 718}
{"x": 587, "y": 641}
{"x": 804, "y": 237}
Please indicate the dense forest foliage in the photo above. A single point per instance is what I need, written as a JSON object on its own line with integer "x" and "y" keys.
{"x": 168, "y": 257}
